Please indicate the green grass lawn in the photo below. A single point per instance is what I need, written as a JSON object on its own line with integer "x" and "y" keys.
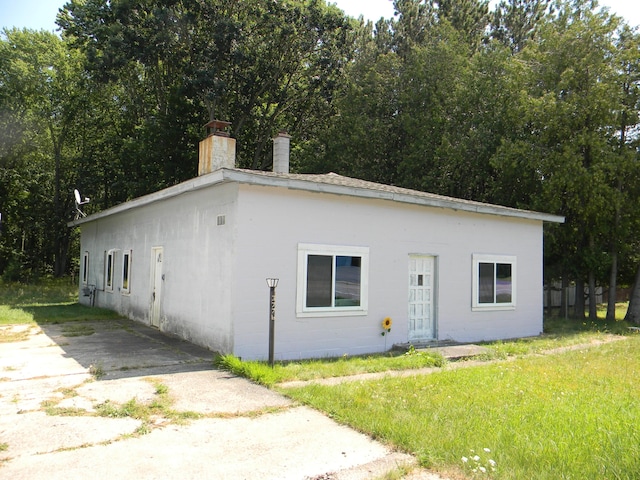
{"x": 570, "y": 415}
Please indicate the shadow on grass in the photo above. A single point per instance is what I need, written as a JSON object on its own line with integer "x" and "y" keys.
{"x": 67, "y": 312}
{"x": 560, "y": 326}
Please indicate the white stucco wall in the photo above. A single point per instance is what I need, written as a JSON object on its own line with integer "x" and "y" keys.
{"x": 197, "y": 261}
{"x": 274, "y": 221}
{"x": 215, "y": 294}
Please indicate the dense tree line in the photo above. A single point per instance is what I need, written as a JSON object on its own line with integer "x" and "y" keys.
{"x": 532, "y": 105}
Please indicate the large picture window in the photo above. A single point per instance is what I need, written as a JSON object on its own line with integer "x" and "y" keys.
{"x": 494, "y": 282}
{"x": 332, "y": 280}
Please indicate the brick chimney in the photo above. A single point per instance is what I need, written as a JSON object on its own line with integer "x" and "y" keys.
{"x": 281, "y": 153}
{"x": 218, "y": 150}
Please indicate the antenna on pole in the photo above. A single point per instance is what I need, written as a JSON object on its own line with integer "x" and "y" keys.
{"x": 79, "y": 201}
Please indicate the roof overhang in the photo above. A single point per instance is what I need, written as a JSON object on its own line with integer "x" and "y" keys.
{"x": 335, "y": 184}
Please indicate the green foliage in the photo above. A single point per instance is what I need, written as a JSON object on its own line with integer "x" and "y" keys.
{"x": 532, "y": 416}
{"x": 532, "y": 105}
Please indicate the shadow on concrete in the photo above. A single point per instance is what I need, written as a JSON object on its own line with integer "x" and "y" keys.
{"x": 120, "y": 348}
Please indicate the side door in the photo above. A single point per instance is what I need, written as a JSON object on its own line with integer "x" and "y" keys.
{"x": 156, "y": 285}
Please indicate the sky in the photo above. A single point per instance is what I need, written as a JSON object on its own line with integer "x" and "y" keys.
{"x": 41, "y": 14}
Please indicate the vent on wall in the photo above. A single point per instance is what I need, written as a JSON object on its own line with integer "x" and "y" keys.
{"x": 221, "y": 219}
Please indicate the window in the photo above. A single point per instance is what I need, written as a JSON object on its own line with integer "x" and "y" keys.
{"x": 85, "y": 268}
{"x": 332, "y": 280}
{"x": 108, "y": 270}
{"x": 494, "y": 282}
{"x": 126, "y": 271}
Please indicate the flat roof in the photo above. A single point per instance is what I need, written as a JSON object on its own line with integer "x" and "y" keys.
{"x": 323, "y": 183}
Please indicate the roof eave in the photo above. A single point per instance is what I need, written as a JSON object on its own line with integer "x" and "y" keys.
{"x": 440, "y": 202}
{"x": 247, "y": 177}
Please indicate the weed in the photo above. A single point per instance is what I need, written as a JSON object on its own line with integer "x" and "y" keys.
{"x": 66, "y": 412}
{"x": 68, "y": 392}
{"x": 96, "y": 370}
{"x": 480, "y": 466}
{"x": 11, "y": 333}
{"x": 151, "y": 414}
{"x": 161, "y": 389}
{"x": 51, "y": 408}
{"x": 4, "y": 447}
{"x": 77, "y": 330}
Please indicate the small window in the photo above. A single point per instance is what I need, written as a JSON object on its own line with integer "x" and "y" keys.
{"x": 126, "y": 271}
{"x": 109, "y": 270}
{"x": 85, "y": 268}
{"x": 332, "y": 280}
{"x": 494, "y": 282}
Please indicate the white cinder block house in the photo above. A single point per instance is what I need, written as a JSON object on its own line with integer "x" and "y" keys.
{"x": 192, "y": 261}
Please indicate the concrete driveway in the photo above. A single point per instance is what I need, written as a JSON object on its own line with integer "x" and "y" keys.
{"x": 57, "y": 381}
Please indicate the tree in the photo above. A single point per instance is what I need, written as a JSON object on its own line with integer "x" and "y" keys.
{"x": 41, "y": 84}
{"x": 469, "y": 17}
{"x": 516, "y": 22}
{"x": 264, "y": 65}
{"x": 572, "y": 97}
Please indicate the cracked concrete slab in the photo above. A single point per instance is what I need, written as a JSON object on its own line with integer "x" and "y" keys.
{"x": 235, "y": 429}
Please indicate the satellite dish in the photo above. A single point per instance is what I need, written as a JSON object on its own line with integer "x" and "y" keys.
{"x": 79, "y": 201}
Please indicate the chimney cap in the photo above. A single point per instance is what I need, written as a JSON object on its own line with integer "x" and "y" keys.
{"x": 216, "y": 127}
{"x": 282, "y": 133}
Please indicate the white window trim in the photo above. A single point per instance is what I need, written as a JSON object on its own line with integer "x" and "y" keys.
{"x": 126, "y": 256}
{"x": 484, "y": 258}
{"x": 306, "y": 249}
{"x": 85, "y": 268}
{"x": 110, "y": 253}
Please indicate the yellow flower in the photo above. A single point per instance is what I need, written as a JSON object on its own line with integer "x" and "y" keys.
{"x": 386, "y": 323}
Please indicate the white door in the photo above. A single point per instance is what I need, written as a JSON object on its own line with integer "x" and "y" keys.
{"x": 422, "y": 325}
{"x": 156, "y": 286}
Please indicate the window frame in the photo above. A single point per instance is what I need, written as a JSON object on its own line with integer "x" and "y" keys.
{"x": 126, "y": 272}
{"x": 307, "y": 249}
{"x": 109, "y": 270}
{"x": 478, "y": 259}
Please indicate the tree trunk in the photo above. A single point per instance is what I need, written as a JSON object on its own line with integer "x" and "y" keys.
{"x": 564, "y": 300}
{"x": 592, "y": 295}
{"x": 592, "y": 283}
{"x": 578, "y": 307}
{"x": 613, "y": 286}
{"x": 633, "y": 312}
